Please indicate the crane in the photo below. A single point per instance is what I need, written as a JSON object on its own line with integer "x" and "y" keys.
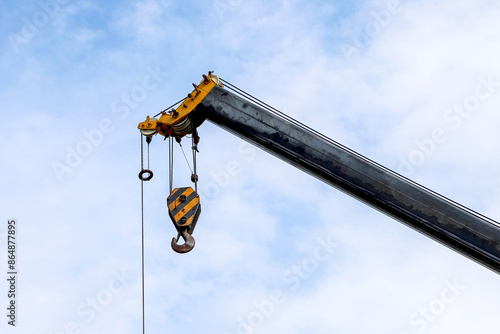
{"x": 216, "y": 100}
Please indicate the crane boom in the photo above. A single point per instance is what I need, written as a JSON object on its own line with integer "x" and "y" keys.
{"x": 437, "y": 217}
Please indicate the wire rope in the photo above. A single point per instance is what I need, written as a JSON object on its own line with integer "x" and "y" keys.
{"x": 142, "y": 239}
{"x": 194, "y": 148}
{"x": 170, "y": 163}
{"x": 184, "y": 154}
{"x": 173, "y": 105}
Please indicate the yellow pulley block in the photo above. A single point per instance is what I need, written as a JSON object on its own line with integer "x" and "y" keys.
{"x": 184, "y": 209}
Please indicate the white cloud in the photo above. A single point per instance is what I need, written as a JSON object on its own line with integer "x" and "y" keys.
{"x": 267, "y": 216}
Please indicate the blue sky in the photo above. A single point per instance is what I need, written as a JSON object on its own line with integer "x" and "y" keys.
{"x": 412, "y": 85}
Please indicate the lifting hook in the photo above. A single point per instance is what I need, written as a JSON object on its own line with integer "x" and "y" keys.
{"x": 188, "y": 242}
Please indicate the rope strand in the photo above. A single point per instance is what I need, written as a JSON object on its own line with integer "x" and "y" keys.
{"x": 195, "y": 175}
{"x": 142, "y": 239}
{"x": 170, "y": 163}
{"x": 184, "y": 154}
{"x": 173, "y": 105}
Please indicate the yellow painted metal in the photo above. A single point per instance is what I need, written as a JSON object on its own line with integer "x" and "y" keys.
{"x": 186, "y": 209}
{"x": 164, "y": 125}
{"x": 179, "y": 209}
{"x": 177, "y": 202}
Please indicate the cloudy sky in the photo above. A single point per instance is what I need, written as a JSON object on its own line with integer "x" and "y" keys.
{"x": 413, "y": 85}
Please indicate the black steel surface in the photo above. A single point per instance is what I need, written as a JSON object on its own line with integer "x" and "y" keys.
{"x": 470, "y": 234}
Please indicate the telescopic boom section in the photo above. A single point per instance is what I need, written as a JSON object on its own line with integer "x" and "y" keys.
{"x": 437, "y": 217}
{"x": 471, "y": 234}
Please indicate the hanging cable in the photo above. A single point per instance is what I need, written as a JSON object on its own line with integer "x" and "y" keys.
{"x": 184, "y": 154}
{"x": 145, "y": 174}
{"x": 173, "y": 105}
{"x": 142, "y": 239}
{"x": 170, "y": 163}
{"x": 142, "y": 151}
{"x": 148, "y": 140}
{"x": 194, "y": 176}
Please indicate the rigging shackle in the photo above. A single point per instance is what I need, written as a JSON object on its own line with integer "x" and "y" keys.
{"x": 188, "y": 242}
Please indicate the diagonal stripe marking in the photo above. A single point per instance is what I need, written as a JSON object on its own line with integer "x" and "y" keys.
{"x": 186, "y": 209}
{"x": 177, "y": 202}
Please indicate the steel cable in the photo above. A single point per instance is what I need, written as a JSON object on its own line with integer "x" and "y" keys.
{"x": 173, "y": 105}
{"x": 142, "y": 239}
